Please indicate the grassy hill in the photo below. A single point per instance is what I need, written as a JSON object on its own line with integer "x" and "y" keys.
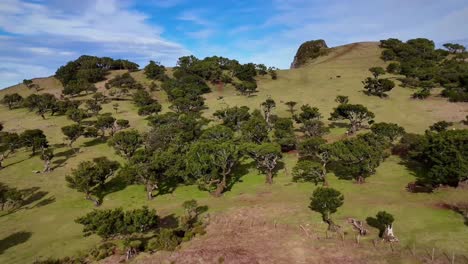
{"x": 45, "y": 226}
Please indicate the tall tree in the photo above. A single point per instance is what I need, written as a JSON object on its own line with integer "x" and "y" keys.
{"x": 72, "y": 132}
{"x": 326, "y": 201}
{"x": 233, "y": 117}
{"x": 12, "y": 100}
{"x": 267, "y": 108}
{"x": 357, "y": 114}
{"x": 34, "y": 139}
{"x": 126, "y": 142}
{"x": 90, "y": 174}
{"x": 255, "y": 129}
{"x": 212, "y": 162}
{"x": 291, "y": 105}
{"x": 267, "y": 156}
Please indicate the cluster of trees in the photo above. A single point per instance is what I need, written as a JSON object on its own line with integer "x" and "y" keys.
{"x": 442, "y": 153}
{"x": 80, "y": 75}
{"x": 424, "y": 66}
{"x": 91, "y": 69}
{"x": 377, "y": 86}
{"x": 223, "y": 70}
{"x": 45, "y": 103}
{"x": 155, "y": 71}
{"x": 326, "y": 201}
{"x": 33, "y": 139}
{"x": 135, "y": 231}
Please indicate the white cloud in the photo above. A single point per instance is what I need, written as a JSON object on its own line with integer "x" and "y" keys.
{"x": 108, "y": 26}
{"x": 194, "y": 16}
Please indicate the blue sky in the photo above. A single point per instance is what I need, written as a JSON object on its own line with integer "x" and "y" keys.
{"x": 37, "y": 36}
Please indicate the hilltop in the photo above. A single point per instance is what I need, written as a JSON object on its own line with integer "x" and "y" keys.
{"x": 252, "y": 222}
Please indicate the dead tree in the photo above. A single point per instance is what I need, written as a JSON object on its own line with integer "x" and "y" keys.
{"x": 358, "y": 225}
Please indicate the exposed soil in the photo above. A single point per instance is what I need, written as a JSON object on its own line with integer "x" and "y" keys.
{"x": 245, "y": 237}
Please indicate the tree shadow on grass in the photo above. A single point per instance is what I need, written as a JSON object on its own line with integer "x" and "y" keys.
{"x": 113, "y": 185}
{"x": 14, "y": 240}
{"x": 339, "y": 125}
{"x": 238, "y": 173}
{"x": 169, "y": 221}
{"x": 167, "y": 187}
{"x": 419, "y": 172}
{"x": 95, "y": 142}
{"x": 16, "y": 162}
{"x": 63, "y": 157}
{"x": 30, "y": 196}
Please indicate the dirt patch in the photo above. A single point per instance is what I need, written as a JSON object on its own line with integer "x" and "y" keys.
{"x": 246, "y": 236}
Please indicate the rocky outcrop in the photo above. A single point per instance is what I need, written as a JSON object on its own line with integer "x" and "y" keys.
{"x": 309, "y": 50}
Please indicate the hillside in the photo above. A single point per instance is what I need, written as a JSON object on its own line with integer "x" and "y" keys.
{"x": 279, "y": 213}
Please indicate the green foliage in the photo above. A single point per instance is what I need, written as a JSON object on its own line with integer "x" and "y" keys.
{"x": 105, "y": 123}
{"x": 454, "y": 48}
{"x": 89, "y": 174}
{"x": 377, "y": 71}
{"x": 310, "y": 120}
{"x": 103, "y": 251}
{"x": 124, "y": 81}
{"x": 126, "y": 142}
{"x": 116, "y": 222}
{"x": 217, "y": 133}
{"x": 310, "y": 147}
{"x": 34, "y": 139}
{"x": 77, "y": 115}
{"x": 357, "y": 158}
{"x": 93, "y": 106}
{"x": 155, "y": 71}
{"x": 394, "y": 67}
{"x": 381, "y": 221}
{"x": 246, "y": 88}
{"x": 308, "y": 171}
{"x": 10, "y": 198}
{"x": 76, "y": 87}
{"x": 445, "y": 157}
{"x": 378, "y": 87}
{"x": 388, "y": 130}
{"x": 291, "y": 105}
{"x": 357, "y": 114}
{"x": 284, "y": 134}
{"x": 91, "y": 69}
{"x": 420, "y": 61}
{"x": 233, "y": 117}
{"x": 255, "y": 129}
{"x": 326, "y": 201}
{"x": 13, "y": 100}
{"x": 421, "y": 94}
{"x": 73, "y": 132}
{"x": 165, "y": 239}
{"x": 266, "y": 156}
{"x": 211, "y": 164}
{"x": 440, "y": 126}
{"x": 341, "y": 99}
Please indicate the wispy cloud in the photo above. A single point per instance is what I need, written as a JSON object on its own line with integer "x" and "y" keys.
{"x": 107, "y": 26}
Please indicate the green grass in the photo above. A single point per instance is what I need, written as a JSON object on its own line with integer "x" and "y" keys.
{"x": 49, "y": 221}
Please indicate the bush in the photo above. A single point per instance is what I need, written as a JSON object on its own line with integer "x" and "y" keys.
{"x": 421, "y": 94}
{"x": 165, "y": 239}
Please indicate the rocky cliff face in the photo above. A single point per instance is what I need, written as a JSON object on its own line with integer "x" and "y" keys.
{"x": 309, "y": 50}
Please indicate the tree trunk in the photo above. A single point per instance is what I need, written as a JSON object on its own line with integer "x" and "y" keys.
{"x": 95, "y": 201}
{"x": 269, "y": 177}
{"x": 220, "y": 187}
{"x": 43, "y": 116}
{"x": 47, "y": 166}
{"x": 332, "y": 227}
{"x": 360, "y": 180}
{"x": 388, "y": 234}
{"x": 149, "y": 190}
